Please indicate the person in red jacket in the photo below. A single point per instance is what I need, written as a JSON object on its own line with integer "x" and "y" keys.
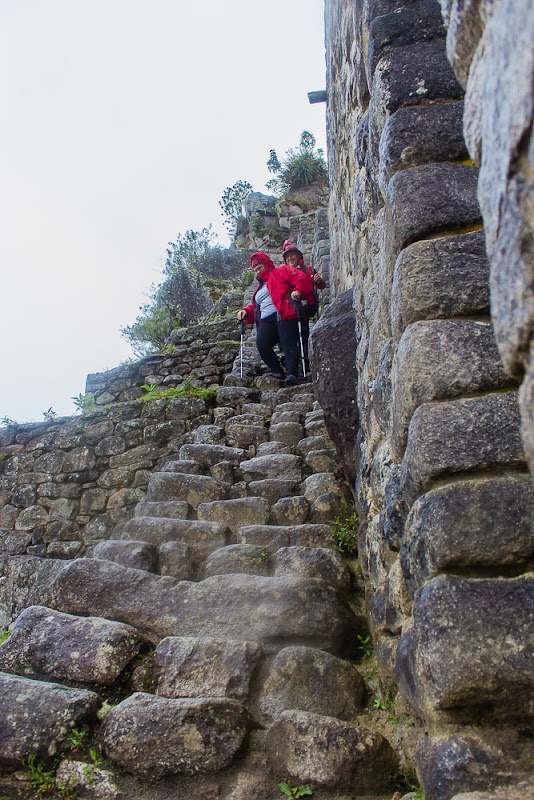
{"x": 273, "y": 308}
{"x": 294, "y": 258}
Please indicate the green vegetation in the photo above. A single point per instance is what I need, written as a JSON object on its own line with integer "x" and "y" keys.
{"x": 294, "y": 791}
{"x": 85, "y": 403}
{"x": 232, "y": 203}
{"x": 8, "y": 422}
{"x": 196, "y": 272}
{"x": 187, "y": 389}
{"x": 42, "y": 780}
{"x": 345, "y": 534}
{"x": 365, "y": 645}
{"x": 302, "y": 167}
{"x": 4, "y": 635}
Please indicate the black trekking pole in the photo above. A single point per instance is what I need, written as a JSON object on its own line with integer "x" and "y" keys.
{"x": 242, "y": 327}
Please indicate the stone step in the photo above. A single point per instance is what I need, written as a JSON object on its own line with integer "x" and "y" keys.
{"x": 202, "y": 536}
{"x": 193, "y": 489}
{"x": 139, "y": 555}
{"x": 306, "y": 679}
{"x": 273, "y": 537}
{"x": 243, "y": 434}
{"x": 47, "y": 644}
{"x": 235, "y": 513}
{"x": 202, "y": 666}
{"x": 37, "y": 717}
{"x": 182, "y": 465}
{"x": 284, "y": 465}
{"x": 209, "y": 454}
{"x": 175, "y": 509}
{"x": 145, "y": 734}
{"x": 271, "y": 611}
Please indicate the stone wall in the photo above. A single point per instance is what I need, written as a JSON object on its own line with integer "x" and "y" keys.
{"x": 445, "y": 503}
{"x": 201, "y": 352}
{"x": 490, "y": 46}
{"x": 69, "y": 483}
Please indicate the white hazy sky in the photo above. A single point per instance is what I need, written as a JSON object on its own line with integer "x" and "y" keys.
{"x": 121, "y": 124}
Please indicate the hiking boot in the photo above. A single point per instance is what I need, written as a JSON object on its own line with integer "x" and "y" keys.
{"x": 291, "y": 380}
{"x": 278, "y": 375}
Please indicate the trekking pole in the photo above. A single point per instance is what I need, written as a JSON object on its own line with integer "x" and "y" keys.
{"x": 300, "y": 340}
{"x": 242, "y": 327}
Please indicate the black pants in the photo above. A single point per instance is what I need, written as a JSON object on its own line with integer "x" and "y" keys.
{"x": 285, "y": 332}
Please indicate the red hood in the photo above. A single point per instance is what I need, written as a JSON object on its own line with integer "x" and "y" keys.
{"x": 263, "y": 259}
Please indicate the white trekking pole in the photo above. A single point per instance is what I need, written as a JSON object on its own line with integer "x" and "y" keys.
{"x": 242, "y": 325}
{"x": 300, "y": 340}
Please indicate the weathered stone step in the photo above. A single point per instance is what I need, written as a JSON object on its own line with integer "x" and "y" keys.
{"x": 243, "y": 434}
{"x": 209, "y": 454}
{"x": 202, "y": 536}
{"x": 136, "y": 554}
{"x": 235, "y": 513}
{"x": 155, "y": 736}
{"x": 306, "y": 679}
{"x": 271, "y": 488}
{"x": 182, "y": 465}
{"x": 330, "y": 754}
{"x": 48, "y": 644}
{"x": 288, "y": 432}
{"x": 201, "y": 666}
{"x": 283, "y": 465}
{"x": 271, "y": 611}
{"x": 273, "y": 537}
{"x": 37, "y": 716}
{"x": 254, "y": 559}
{"x": 193, "y": 489}
{"x": 176, "y": 509}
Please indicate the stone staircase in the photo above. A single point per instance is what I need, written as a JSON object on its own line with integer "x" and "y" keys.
{"x": 224, "y": 614}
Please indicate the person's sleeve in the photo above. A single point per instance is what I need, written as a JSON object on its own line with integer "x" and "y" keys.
{"x": 249, "y": 319}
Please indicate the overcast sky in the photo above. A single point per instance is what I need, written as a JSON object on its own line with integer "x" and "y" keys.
{"x": 121, "y": 124}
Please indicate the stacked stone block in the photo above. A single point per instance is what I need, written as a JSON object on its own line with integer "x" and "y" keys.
{"x": 440, "y": 459}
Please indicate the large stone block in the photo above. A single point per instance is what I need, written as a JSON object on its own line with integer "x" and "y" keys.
{"x": 202, "y": 536}
{"x": 469, "y": 652}
{"x": 330, "y": 754}
{"x": 194, "y": 489}
{"x": 476, "y": 433}
{"x": 209, "y": 454}
{"x": 484, "y": 523}
{"x": 333, "y": 365}
{"x": 49, "y": 645}
{"x": 235, "y": 513}
{"x": 139, "y": 555}
{"x": 204, "y": 667}
{"x": 156, "y": 736}
{"x": 409, "y": 76}
{"x": 417, "y": 22}
{"x": 283, "y": 466}
{"x": 306, "y": 679}
{"x": 444, "y": 277}
{"x": 421, "y": 135}
{"x": 37, "y": 717}
{"x": 246, "y": 607}
{"x": 441, "y": 359}
{"x": 457, "y": 765}
{"x": 431, "y": 199}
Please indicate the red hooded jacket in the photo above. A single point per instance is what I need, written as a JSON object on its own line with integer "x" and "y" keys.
{"x": 280, "y": 282}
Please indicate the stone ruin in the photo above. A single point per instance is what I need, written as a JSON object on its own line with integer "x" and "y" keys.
{"x": 182, "y": 622}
